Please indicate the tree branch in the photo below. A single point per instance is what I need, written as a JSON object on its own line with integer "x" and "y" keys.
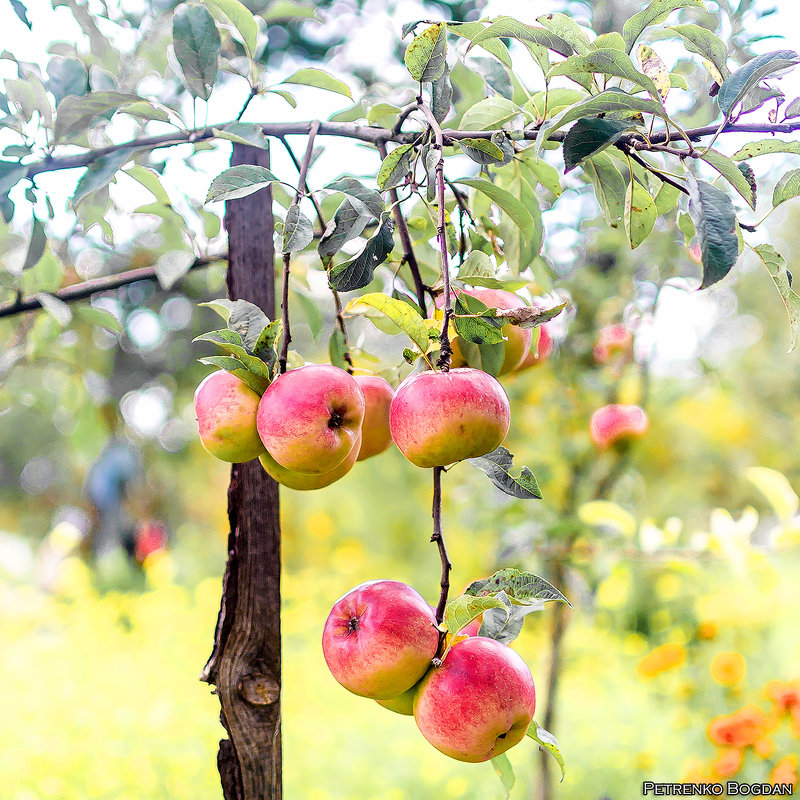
{"x": 439, "y": 540}
{"x": 84, "y": 290}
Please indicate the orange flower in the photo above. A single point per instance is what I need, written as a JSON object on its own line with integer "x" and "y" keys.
{"x": 728, "y": 763}
{"x": 741, "y": 729}
{"x": 728, "y": 668}
{"x": 785, "y": 772}
{"x": 663, "y": 658}
{"x": 786, "y": 696}
{"x": 764, "y": 747}
{"x": 706, "y": 630}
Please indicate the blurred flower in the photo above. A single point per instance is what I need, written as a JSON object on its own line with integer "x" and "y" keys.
{"x": 785, "y": 772}
{"x": 764, "y": 747}
{"x": 663, "y": 658}
{"x": 728, "y": 668}
{"x": 740, "y": 729}
{"x": 613, "y": 340}
{"x": 785, "y": 695}
{"x": 731, "y": 537}
{"x": 728, "y": 763}
{"x": 707, "y": 630}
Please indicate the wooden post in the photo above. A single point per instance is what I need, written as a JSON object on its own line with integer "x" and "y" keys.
{"x": 245, "y": 664}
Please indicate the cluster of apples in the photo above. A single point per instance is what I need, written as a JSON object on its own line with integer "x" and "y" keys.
{"x": 313, "y": 423}
{"x": 380, "y": 641}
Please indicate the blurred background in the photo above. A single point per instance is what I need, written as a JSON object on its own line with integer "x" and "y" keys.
{"x": 681, "y": 659}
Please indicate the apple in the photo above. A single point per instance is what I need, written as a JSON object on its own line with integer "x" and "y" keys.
{"x": 478, "y": 703}
{"x": 402, "y": 704}
{"x": 310, "y": 418}
{"x": 544, "y": 349}
{"x": 226, "y": 409}
{"x": 616, "y": 422}
{"x": 612, "y": 340}
{"x": 378, "y": 394}
{"x": 303, "y": 481}
{"x": 379, "y": 639}
{"x": 518, "y": 340}
{"x": 438, "y": 418}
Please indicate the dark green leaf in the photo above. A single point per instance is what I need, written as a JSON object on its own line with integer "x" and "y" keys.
{"x": 607, "y": 62}
{"x": 728, "y": 169}
{"x": 409, "y": 27}
{"x": 235, "y": 367}
{"x": 36, "y": 246}
{"x": 426, "y": 56}
{"x": 750, "y": 177}
{"x": 703, "y": 41}
{"x": 588, "y": 137}
{"x": 337, "y": 347}
{"x": 441, "y": 95}
{"x": 99, "y": 173}
{"x": 715, "y": 223}
{"x": 505, "y": 626}
{"x": 68, "y": 76}
{"x": 498, "y": 465}
{"x": 502, "y": 766}
{"x": 486, "y": 357}
{"x": 508, "y": 28}
{"x": 776, "y": 266}
{"x": 347, "y": 223}
{"x": 657, "y": 11}
{"x": 482, "y": 151}
{"x": 395, "y": 167}
{"x": 548, "y": 743}
{"x": 298, "y": 232}
{"x": 239, "y": 182}
{"x": 786, "y": 188}
{"x": 241, "y": 18}
{"x": 523, "y": 587}
{"x": 735, "y": 87}
{"x": 364, "y": 199}
{"x": 479, "y": 327}
{"x": 197, "y": 44}
{"x": 358, "y": 271}
{"x": 495, "y": 75}
{"x": 509, "y": 204}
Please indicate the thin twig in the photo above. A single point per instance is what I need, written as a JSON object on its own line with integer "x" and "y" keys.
{"x": 438, "y": 539}
{"x": 660, "y": 175}
{"x": 253, "y": 93}
{"x": 337, "y": 301}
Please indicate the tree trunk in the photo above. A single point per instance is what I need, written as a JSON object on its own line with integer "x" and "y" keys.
{"x": 245, "y": 664}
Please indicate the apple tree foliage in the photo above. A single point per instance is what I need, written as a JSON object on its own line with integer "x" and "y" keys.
{"x": 496, "y": 120}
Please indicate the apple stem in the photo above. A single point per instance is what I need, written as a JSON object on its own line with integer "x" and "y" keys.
{"x": 439, "y": 540}
{"x": 441, "y": 234}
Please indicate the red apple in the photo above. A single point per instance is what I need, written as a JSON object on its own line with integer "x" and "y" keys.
{"x": 478, "y": 703}
{"x": 226, "y": 409}
{"x": 379, "y": 639}
{"x": 303, "y": 481}
{"x": 612, "y": 340}
{"x": 309, "y": 418}
{"x": 441, "y": 417}
{"x": 544, "y": 349}
{"x": 518, "y": 340}
{"x": 402, "y": 704}
{"x": 378, "y": 394}
{"x": 615, "y": 422}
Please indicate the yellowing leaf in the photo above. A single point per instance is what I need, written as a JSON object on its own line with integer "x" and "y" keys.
{"x": 776, "y": 488}
{"x": 650, "y": 64}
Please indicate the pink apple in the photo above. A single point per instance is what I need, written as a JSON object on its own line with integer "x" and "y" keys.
{"x": 379, "y": 639}
{"x": 303, "y": 481}
{"x": 518, "y": 340}
{"x": 613, "y": 423}
{"x": 612, "y": 340}
{"x": 544, "y": 349}
{"x": 309, "y": 418}
{"x": 438, "y": 418}
{"x": 226, "y": 409}
{"x": 478, "y": 703}
{"x": 378, "y": 394}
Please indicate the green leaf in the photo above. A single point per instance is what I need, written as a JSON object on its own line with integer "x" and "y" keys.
{"x": 486, "y": 357}
{"x": 288, "y": 10}
{"x": 460, "y": 612}
{"x": 98, "y": 316}
{"x": 786, "y": 188}
{"x": 298, "y": 232}
{"x": 172, "y": 266}
{"x": 441, "y": 95}
{"x": 426, "y": 56}
{"x": 22, "y": 12}
{"x": 640, "y": 213}
{"x": 705, "y": 43}
{"x": 776, "y": 266}
{"x": 150, "y": 180}
{"x": 239, "y": 182}
{"x": 590, "y": 136}
{"x": 469, "y": 30}
{"x": 404, "y": 316}
{"x": 509, "y": 28}
{"x": 76, "y": 114}
{"x": 728, "y": 169}
{"x": 231, "y": 342}
{"x": 657, "y": 11}
{"x": 604, "y": 103}
{"x": 498, "y": 465}
{"x": 750, "y": 177}
{"x": 395, "y": 167}
{"x": 489, "y": 114}
{"x": 241, "y": 19}
{"x": 56, "y": 308}
{"x": 523, "y": 587}
{"x": 569, "y": 30}
{"x": 735, "y": 87}
{"x": 509, "y": 204}
{"x": 36, "y": 246}
{"x": 479, "y": 327}
{"x": 358, "y": 271}
{"x": 476, "y": 265}
{"x": 319, "y": 79}
{"x": 792, "y": 110}
{"x": 68, "y": 76}
{"x": 337, "y": 347}
{"x": 99, "y": 173}
{"x": 243, "y": 133}
{"x": 765, "y": 147}
{"x": 608, "y": 62}
{"x": 362, "y": 198}
{"x": 235, "y": 367}
{"x": 715, "y": 223}
{"x": 502, "y": 766}
{"x": 482, "y": 151}
{"x": 223, "y": 307}
{"x": 548, "y": 743}
{"x": 495, "y": 75}
{"x": 347, "y": 223}
{"x": 505, "y": 627}
{"x": 196, "y": 42}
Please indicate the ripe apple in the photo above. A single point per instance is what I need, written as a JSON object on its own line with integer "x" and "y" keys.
{"x": 402, "y": 704}
{"x": 309, "y": 418}
{"x": 379, "y": 639}
{"x": 518, "y": 340}
{"x": 615, "y": 422}
{"x": 226, "y": 409}
{"x": 478, "y": 703}
{"x": 378, "y": 394}
{"x": 437, "y": 418}
{"x": 544, "y": 350}
{"x": 301, "y": 480}
{"x": 612, "y": 340}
